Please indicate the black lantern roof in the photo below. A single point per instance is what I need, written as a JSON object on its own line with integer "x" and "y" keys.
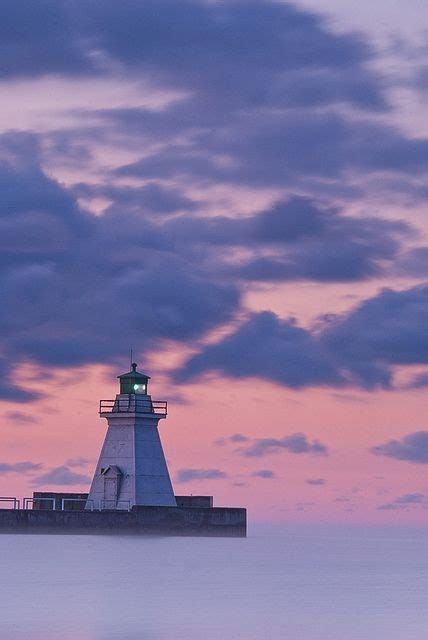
{"x": 134, "y": 374}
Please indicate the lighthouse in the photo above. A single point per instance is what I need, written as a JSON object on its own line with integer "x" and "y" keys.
{"x": 131, "y": 469}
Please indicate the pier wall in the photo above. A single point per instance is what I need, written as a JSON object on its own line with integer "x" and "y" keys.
{"x": 165, "y": 521}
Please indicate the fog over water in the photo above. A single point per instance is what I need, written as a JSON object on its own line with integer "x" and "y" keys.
{"x": 301, "y": 582}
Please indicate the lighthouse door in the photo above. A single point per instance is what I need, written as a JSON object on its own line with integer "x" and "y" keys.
{"x": 112, "y": 476}
{"x": 110, "y": 492}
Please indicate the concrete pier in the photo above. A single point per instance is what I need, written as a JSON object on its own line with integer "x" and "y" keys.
{"x": 164, "y": 521}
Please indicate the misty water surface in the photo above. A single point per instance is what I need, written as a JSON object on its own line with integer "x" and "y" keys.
{"x": 306, "y": 584}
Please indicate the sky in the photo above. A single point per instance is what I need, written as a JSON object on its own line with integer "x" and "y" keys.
{"x": 236, "y": 191}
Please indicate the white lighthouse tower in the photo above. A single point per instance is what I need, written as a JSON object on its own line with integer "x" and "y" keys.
{"x": 132, "y": 469}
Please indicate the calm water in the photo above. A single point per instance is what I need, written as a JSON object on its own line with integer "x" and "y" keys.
{"x": 305, "y": 584}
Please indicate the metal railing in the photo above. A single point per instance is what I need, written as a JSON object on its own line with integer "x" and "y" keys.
{"x": 28, "y": 503}
{"x": 89, "y": 504}
{"x": 15, "y": 501}
{"x": 35, "y": 504}
{"x": 133, "y": 404}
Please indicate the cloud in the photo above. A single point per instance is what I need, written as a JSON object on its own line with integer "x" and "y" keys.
{"x": 51, "y": 244}
{"x": 188, "y": 475}
{"x": 235, "y": 438}
{"x": 77, "y": 462}
{"x": 18, "y": 417}
{"x": 412, "y": 448}
{"x": 266, "y": 115}
{"x": 62, "y": 476}
{"x": 26, "y": 188}
{"x": 215, "y": 60}
{"x": 152, "y": 197}
{"x": 267, "y": 474}
{"x": 419, "y": 381}
{"x": 53, "y": 314}
{"x": 294, "y": 58}
{"x": 301, "y": 239}
{"x": 19, "y": 467}
{"x": 9, "y": 390}
{"x": 269, "y": 113}
{"x": 296, "y": 443}
{"x": 360, "y": 348}
{"x": 287, "y": 149}
{"x": 266, "y": 347}
{"x": 414, "y": 262}
{"x": 238, "y": 437}
{"x": 388, "y": 328}
{"x": 39, "y": 39}
{"x": 315, "y": 482}
{"x": 404, "y": 502}
{"x": 261, "y": 87}
{"x": 420, "y": 79}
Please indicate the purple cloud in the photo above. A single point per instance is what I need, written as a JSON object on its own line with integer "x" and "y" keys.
{"x": 62, "y": 476}
{"x": 359, "y": 348}
{"x": 297, "y": 443}
{"x": 404, "y": 502}
{"x": 189, "y": 475}
{"x": 19, "y": 467}
{"x": 315, "y": 482}
{"x": 18, "y": 417}
{"x": 267, "y": 474}
{"x": 411, "y": 448}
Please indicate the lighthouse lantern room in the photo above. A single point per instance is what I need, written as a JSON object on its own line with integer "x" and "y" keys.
{"x": 134, "y": 381}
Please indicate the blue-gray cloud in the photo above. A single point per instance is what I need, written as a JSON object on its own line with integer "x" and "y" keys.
{"x": 412, "y": 448}
{"x": 239, "y": 52}
{"x": 303, "y": 239}
{"x": 420, "y": 381}
{"x": 151, "y": 198}
{"x": 296, "y": 443}
{"x": 235, "y": 438}
{"x": 260, "y": 85}
{"x": 77, "y": 462}
{"x": 285, "y": 149}
{"x": 62, "y": 475}
{"x": 8, "y": 389}
{"x": 315, "y": 482}
{"x": 62, "y": 268}
{"x": 404, "y": 502}
{"x": 19, "y": 467}
{"x": 238, "y": 437}
{"x": 51, "y": 246}
{"x": 39, "y": 38}
{"x": 359, "y": 348}
{"x": 19, "y": 417}
{"x": 266, "y": 474}
{"x": 253, "y": 77}
{"x": 189, "y": 475}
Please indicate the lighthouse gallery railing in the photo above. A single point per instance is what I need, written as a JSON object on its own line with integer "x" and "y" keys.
{"x": 133, "y": 405}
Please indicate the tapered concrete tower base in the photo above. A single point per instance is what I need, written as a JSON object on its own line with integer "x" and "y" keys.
{"x": 132, "y": 469}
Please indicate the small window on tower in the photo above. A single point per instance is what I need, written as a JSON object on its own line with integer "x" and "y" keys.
{"x": 139, "y": 388}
